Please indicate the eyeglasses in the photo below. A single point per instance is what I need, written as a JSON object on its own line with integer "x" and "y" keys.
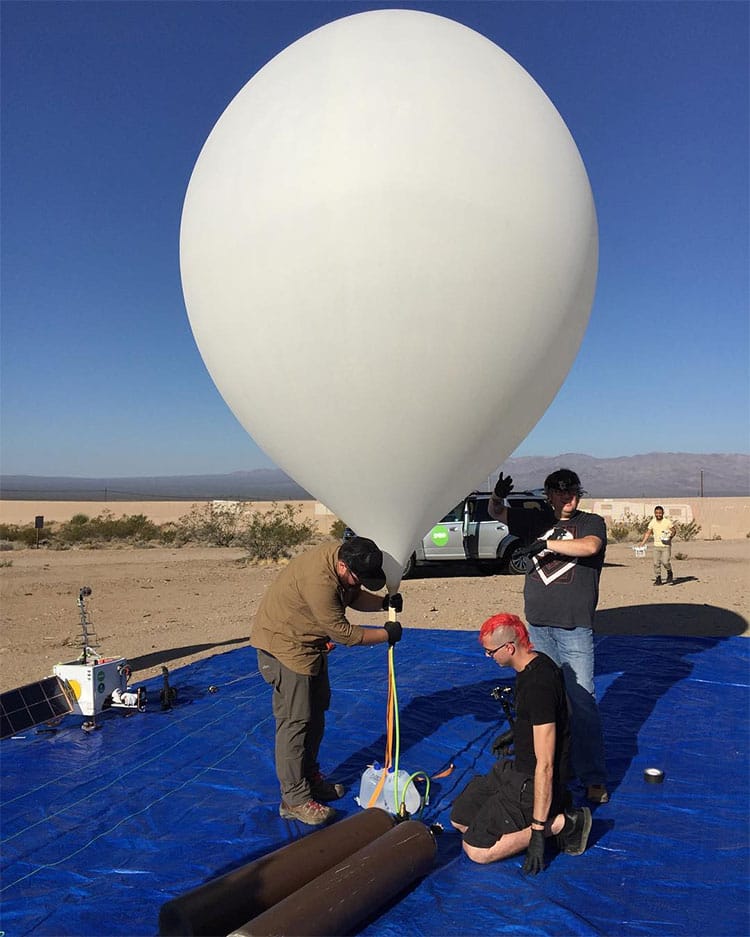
{"x": 491, "y": 653}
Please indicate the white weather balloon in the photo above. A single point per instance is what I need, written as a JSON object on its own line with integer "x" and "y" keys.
{"x": 388, "y": 254}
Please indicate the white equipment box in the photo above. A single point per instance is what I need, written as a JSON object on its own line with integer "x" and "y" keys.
{"x": 92, "y": 683}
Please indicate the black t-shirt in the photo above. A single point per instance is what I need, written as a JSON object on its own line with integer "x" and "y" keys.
{"x": 541, "y": 700}
{"x": 563, "y": 591}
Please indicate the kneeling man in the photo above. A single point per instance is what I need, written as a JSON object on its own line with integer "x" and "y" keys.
{"x": 522, "y": 801}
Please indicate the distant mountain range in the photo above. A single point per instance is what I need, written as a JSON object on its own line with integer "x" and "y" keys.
{"x": 256, "y": 485}
{"x": 657, "y": 474}
{"x": 654, "y": 475}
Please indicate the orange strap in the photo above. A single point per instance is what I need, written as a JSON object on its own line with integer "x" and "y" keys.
{"x": 444, "y": 773}
{"x": 389, "y": 720}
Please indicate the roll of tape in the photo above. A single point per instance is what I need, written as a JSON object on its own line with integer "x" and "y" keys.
{"x": 653, "y": 775}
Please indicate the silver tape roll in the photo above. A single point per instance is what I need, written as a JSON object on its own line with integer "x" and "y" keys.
{"x": 653, "y": 775}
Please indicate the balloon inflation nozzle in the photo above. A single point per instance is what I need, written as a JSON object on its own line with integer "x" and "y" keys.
{"x": 403, "y": 814}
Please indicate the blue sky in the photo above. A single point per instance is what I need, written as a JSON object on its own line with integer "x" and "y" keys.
{"x": 106, "y": 105}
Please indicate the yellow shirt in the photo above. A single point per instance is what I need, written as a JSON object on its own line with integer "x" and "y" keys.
{"x": 661, "y": 529}
{"x": 303, "y": 609}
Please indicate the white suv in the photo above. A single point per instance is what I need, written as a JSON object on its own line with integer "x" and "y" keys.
{"x": 467, "y": 532}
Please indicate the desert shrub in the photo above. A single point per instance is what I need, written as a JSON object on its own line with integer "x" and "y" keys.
{"x": 338, "y": 527}
{"x": 76, "y": 530}
{"x": 627, "y": 527}
{"x": 687, "y": 531}
{"x": 679, "y": 556}
{"x": 618, "y": 530}
{"x": 106, "y": 527}
{"x": 169, "y": 533}
{"x": 639, "y": 525}
{"x": 207, "y": 524}
{"x": 127, "y": 527}
{"x": 271, "y": 534}
{"x": 4, "y": 564}
{"x": 17, "y": 533}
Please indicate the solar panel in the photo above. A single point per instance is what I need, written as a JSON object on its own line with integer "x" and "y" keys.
{"x": 32, "y": 705}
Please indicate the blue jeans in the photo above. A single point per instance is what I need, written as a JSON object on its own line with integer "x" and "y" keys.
{"x": 573, "y": 651}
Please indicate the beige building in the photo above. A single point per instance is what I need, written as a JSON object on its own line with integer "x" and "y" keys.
{"x": 719, "y": 518}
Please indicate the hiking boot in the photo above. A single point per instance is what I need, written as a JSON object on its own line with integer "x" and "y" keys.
{"x": 670, "y": 576}
{"x": 312, "y": 813}
{"x": 575, "y": 832}
{"x": 657, "y": 581}
{"x": 597, "y": 794}
{"x": 325, "y": 791}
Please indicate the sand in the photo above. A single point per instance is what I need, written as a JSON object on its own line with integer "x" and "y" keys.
{"x": 167, "y": 606}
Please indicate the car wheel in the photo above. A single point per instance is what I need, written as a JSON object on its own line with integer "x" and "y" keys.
{"x": 410, "y": 566}
{"x": 517, "y": 565}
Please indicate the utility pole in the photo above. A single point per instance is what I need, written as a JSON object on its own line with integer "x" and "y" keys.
{"x": 701, "y": 483}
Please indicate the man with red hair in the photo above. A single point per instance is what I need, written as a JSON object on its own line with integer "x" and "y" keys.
{"x": 523, "y": 801}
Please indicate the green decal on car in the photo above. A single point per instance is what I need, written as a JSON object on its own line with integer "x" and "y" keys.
{"x": 439, "y": 535}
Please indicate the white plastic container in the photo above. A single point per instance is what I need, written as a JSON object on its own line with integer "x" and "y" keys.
{"x": 387, "y": 797}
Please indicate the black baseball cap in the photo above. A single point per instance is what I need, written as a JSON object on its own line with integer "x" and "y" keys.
{"x": 365, "y": 560}
{"x": 563, "y": 480}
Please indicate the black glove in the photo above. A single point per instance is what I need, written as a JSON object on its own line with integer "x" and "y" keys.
{"x": 535, "y": 853}
{"x": 503, "y": 486}
{"x": 395, "y": 631}
{"x": 537, "y": 546}
{"x": 503, "y": 743}
{"x": 394, "y": 601}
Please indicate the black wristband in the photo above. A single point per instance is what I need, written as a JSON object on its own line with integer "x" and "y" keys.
{"x": 538, "y": 822}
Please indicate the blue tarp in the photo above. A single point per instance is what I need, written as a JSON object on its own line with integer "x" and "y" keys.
{"x": 100, "y": 829}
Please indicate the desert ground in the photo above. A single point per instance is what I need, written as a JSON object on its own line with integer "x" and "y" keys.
{"x": 167, "y": 606}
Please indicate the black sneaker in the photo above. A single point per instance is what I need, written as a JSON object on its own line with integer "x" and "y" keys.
{"x": 575, "y": 832}
{"x": 657, "y": 581}
{"x": 325, "y": 791}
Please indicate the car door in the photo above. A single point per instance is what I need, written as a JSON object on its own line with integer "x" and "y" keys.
{"x": 483, "y": 533}
{"x": 445, "y": 541}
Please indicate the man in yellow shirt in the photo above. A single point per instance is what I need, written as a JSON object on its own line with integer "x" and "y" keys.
{"x": 301, "y": 615}
{"x": 663, "y": 529}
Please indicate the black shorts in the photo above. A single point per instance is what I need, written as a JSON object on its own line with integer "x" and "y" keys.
{"x": 494, "y": 804}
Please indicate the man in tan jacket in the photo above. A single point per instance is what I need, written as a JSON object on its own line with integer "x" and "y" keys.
{"x": 300, "y": 616}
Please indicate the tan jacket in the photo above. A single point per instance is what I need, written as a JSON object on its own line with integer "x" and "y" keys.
{"x": 303, "y": 609}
